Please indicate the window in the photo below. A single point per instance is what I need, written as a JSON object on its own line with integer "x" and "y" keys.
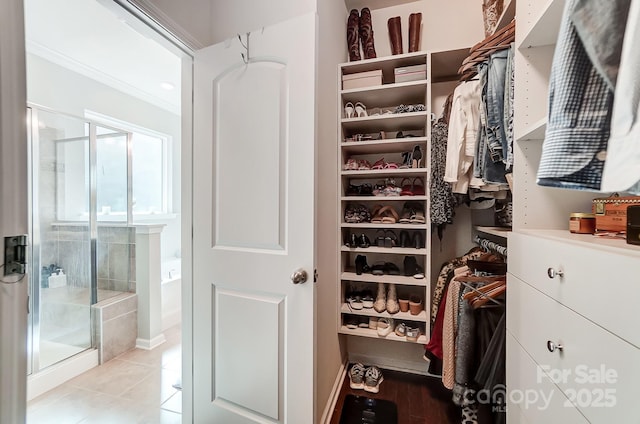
{"x": 149, "y": 175}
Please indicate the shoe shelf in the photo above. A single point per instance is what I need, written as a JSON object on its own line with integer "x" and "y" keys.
{"x": 388, "y": 250}
{"x": 389, "y": 145}
{"x": 386, "y": 173}
{"x": 415, "y": 126}
{"x": 411, "y": 92}
{"x": 389, "y": 122}
{"x": 370, "y": 312}
{"x": 367, "y": 332}
{"x": 385, "y": 226}
{"x": 395, "y": 279}
{"x": 382, "y": 198}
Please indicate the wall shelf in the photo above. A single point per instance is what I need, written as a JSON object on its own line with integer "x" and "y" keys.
{"x": 411, "y": 92}
{"x": 370, "y": 278}
{"x": 382, "y": 198}
{"x": 366, "y": 332}
{"x": 390, "y": 122}
{"x": 546, "y": 27}
{"x": 535, "y": 131}
{"x": 382, "y": 173}
{"x": 401, "y": 316}
{"x": 386, "y": 250}
{"x": 494, "y": 231}
{"x": 389, "y": 145}
{"x": 377, "y": 226}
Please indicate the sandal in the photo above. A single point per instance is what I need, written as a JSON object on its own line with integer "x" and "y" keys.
{"x": 388, "y": 215}
{"x": 418, "y": 216}
{"x": 363, "y": 165}
{"x": 376, "y": 218}
{"x": 351, "y": 165}
{"x": 405, "y": 217}
{"x": 361, "y": 110}
{"x": 379, "y": 164}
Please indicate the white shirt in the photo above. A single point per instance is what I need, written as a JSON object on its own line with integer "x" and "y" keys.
{"x": 622, "y": 164}
{"x": 463, "y": 130}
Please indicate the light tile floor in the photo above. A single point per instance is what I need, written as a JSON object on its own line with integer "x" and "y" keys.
{"x": 135, "y": 387}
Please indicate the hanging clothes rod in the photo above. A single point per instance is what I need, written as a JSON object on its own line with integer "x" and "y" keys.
{"x": 490, "y": 245}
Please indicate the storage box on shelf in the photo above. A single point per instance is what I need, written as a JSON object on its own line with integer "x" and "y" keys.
{"x": 383, "y": 152}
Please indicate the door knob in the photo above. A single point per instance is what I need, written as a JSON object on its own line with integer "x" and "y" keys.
{"x": 299, "y": 276}
{"x": 552, "y": 273}
{"x": 552, "y": 347}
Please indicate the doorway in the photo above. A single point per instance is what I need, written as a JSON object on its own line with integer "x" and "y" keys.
{"x": 91, "y": 64}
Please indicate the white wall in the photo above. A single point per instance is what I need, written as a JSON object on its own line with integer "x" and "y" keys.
{"x": 194, "y": 16}
{"x": 445, "y": 25}
{"x": 60, "y": 89}
{"x": 330, "y": 353}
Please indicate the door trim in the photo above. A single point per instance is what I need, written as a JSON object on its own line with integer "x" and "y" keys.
{"x": 14, "y": 210}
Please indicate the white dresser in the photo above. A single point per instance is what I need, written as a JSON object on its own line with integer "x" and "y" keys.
{"x": 573, "y": 333}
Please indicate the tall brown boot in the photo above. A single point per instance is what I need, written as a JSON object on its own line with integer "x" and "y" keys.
{"x": 395, "y": 34}
{"x": 366, "y": 34}
{"x": 415, "y": 20}
{"x": 353, "y": 44}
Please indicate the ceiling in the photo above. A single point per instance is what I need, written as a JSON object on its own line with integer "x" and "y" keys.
{"x": 88, "y": 38}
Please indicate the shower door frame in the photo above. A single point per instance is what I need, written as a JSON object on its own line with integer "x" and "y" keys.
{"x": 33, "y": 137}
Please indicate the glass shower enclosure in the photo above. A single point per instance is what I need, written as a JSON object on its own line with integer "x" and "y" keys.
{"x": 80, "y": 234}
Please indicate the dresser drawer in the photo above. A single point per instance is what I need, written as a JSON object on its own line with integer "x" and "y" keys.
{"x": 597, "y": 283}
{"x": 596, "y": 370}
{"x": 536, "y": 399}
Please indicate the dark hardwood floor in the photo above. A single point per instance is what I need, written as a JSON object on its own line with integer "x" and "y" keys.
{"x": 420, "y": 399}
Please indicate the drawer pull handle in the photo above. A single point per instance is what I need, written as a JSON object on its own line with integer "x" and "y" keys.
{"x": 552, "y": 347}
{"x": 552, "y": 273}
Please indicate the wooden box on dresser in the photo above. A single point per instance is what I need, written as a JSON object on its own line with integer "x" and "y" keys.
{"x": 573, "y": 344}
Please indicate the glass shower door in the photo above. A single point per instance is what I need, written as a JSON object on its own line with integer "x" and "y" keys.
{"x": 61, "y": 287}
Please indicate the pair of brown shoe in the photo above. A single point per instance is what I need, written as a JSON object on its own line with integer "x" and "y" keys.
{"x": 395, "y": 33}
{"x": 360, "y": 31}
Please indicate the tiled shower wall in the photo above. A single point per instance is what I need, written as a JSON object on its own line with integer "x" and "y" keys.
{"x": 68, "y": 247}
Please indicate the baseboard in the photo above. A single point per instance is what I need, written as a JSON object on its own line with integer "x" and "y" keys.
{"x": 335, "y": 394}
{"x": 147, "y": 344}
{"x": 417, "y": 367}
{"x": 55, "y": 375}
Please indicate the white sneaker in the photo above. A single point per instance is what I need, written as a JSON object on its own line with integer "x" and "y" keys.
{"x": 356, "y": 376}
{"x": 385, "y": 326}
{"x": 372, "y": 379}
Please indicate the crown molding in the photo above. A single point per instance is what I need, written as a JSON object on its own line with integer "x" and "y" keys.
{"x": 168, "y": 24}
{"x": 97, "y": 75}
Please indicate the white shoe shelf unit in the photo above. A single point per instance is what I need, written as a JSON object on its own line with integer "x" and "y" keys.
{"x": 388, "y": 132}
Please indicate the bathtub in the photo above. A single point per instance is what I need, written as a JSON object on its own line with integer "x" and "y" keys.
{"x": 171, "y": 292}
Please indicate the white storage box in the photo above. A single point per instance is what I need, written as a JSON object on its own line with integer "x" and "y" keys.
{"x": 362, "y": 79}
{"x": 411, "y": 73}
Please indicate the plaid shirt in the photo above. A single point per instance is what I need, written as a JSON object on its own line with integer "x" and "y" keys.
{"x": 580, "y": 105}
